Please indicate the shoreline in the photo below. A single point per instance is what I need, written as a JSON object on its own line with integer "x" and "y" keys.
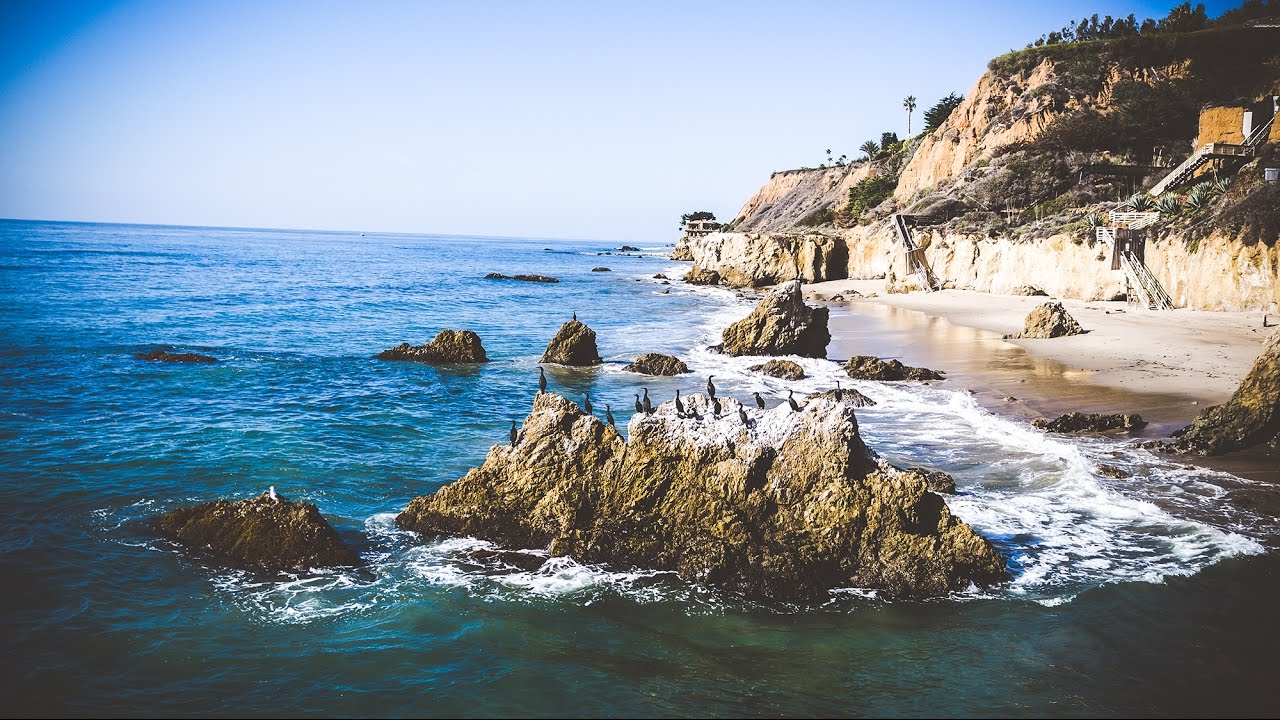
{"x": 1167, "y": 367}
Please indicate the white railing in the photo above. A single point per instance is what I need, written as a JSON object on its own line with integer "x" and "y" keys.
{"x": 1134, "y": 220}
{"x": 1105, "y": 234}
{"x": 1151, "y": 293}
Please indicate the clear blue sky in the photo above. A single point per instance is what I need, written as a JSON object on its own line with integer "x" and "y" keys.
{"x": 544, "y": 119}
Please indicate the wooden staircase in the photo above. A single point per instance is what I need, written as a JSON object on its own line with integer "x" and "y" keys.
{"x": 916, "y": 261}
{"x": 1150, "y": 292}
{"x": 1210, "y": 151}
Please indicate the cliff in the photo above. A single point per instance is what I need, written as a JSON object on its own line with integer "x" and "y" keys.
{"x": 787, "y": 505}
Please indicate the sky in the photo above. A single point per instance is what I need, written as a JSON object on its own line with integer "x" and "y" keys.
{"x": 600, "y": 120}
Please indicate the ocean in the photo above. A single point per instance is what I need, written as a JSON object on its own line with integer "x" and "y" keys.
{"x": 1146, "y": 595}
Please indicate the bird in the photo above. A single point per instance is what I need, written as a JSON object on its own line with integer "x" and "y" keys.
{"x": 271, "y": 491}
{"x": 715, "y": 403}
{"x": 607, "y": 414}
{"x": 711, "y": 389}
{"x": 586, "y": 404}
{"x": 648, "y": 406}
{"x": 742, "y": 415}
{"x": 639, "y": 407}
{"x": 679, "y": 404}
{"x": 542, "y": 380}
{"x": 575, "y": 316}
{"x": 514, "y": 434}
{"x": 791, "y": 400}
{"x": 759, "y": 400}
{"x": 839, "y": 392}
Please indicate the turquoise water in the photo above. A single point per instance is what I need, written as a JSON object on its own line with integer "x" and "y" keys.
{"x": 1150, "y": 595}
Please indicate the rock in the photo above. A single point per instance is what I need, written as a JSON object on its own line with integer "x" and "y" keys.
{"x": 173, "y": 357}
{"x": 525, "y": 278}
{"x": 784, "y": 369}
{"x": 660, "y": 276}
{"x": 574, "y": 344}
{"x": 629, "y": 248}
{"x": 937, "y": 480}
{"x": 1050, "y": 320}
{"x": 1074, "y": 422}
{"x": 1111, "y": 471}
{"x": 259, "y": 534}
{"x": 600, "y": 269}
{"x": 450, "y": 346}
{"x": 869, "y": 367}
{"x": 657, "y": 364}
{"x": 847, "y": 395}
{"x": 788, "y": 507}
{"x": 1250, "y": 417}
{"x": 697, "y": 276}
{"x": 682, "y": 250}
{"x": 1028, "y": 290}
{"x": 762, "y": 259}
{"x": 780, "y": 325}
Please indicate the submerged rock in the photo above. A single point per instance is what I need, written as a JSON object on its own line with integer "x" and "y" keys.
{"x": 259, "y": 534}
{"x": 173, "y": 357}
{"x": 658, "y": 364}
{"x": 601, "y": 269}
{"x": 780, "y": 325}
{"x": 1050, "y": 320}
{"x": 782, "y": 369}
{"x": 659, "y": 276}
{"x": 1250, "y": 417}
{"x": 450, "y": 346}
{"x": 525, "y": 278}
{"x": 789, "y": 505}
{"x": 574, "y": 344}
{"x": 869, "y": 367}
{"x": 1073, "y": 422}
{"x": 629, "y": 248}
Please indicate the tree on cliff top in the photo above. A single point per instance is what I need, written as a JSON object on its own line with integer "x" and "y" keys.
{"x": 698, "y": 215}
{"x": 941, "y": 110}
{"x": 909, "y": 102}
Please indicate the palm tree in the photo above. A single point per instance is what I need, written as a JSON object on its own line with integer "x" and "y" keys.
{"x": 870, "y": 148}
{"x": 909, "y": 102}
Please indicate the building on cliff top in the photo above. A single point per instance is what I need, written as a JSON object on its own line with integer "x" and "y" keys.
{"x": 699, "y": 228}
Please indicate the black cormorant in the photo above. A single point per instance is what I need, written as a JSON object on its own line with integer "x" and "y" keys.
{"x": 608, "y": 415}
{"x": 839, "y": 392}
{"x": 795, "y": 406}
{"x": 586, "y": 404}
{"x": 639, "y": 407}
{"x": 679, "y": 404}
{"x": 648, "y": 406}
{"x": 711, "y": 389}
{"x": 742, "y": 415}
{"x": 542, "y": 380}
{"x": 514, "y": 434}
{"x": 715, "y": 403}
{"x": 759, "y": 400}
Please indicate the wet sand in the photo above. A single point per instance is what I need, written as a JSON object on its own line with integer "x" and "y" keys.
{"x": 1023, "y": 382}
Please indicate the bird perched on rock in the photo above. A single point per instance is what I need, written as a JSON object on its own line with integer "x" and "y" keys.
{"x": 586, "y": 404}
{"x": 608, "y": 416}
{"x": 711, "y": 389}
{"x": 575, "y": 315}
{"x": 759, "y": 400}
{"x": 514, "y": 434}
{"x": 742, "y": 415}
{"x": 639, "y": 407}
{"x": 271, "y": 492}
{"x": 542, "y": 380}
{"x": 648, "y": 406}
{"x": 679, "y": 404}
{"x": 715, "y": 403}
{"x": 791, "y": 400}
{"x": 839, "y": 392}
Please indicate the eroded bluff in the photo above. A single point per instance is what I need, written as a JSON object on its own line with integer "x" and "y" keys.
{"x": 788, "y": 505}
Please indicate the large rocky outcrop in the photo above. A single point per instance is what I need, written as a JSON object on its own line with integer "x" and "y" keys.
{"x": 789, "y": 505}
{"x": 870, "y": 367}
{"x": 658, "y": 364}
{"x": 1050, "y": 320}
{"x": 176, "y": 357}
{"x": 1250, "y": 417}
{"x": 261, "y": 533}
{"x": 756, "y": 260}
{"x": 523, "y": 278}
{"x": 1074, "y": 422}
{"x": 574, "y": 344}
{"x": 450, "y": 346}
{"x": 781, "y": 324}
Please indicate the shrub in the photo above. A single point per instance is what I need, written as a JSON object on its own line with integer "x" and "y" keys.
{"x": 941, "y": 110}
{"x": 867, "y": 194}
{"x": 1169, "y": 205}
{"x": 1139, "y": 202}
{"x": 818, "y": 216}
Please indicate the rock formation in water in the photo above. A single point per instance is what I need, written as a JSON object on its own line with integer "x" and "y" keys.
{"x": 1074, "y": 422}
{"x": 847, "y": 395}
{"x": 525, "y": 278}
{"x": 175, "y": 357}
{"x": 450, "y": 346}
{"x": 1250, "y": 417}
{"x": 781, "y": 324}
{"x": 657, "y": 364}
{"x": 600, "y": 269}
{"x": 702, "y": 277}
{"x": 574, "y": 344}
{"x": 789, "y": 505}
{"x": 781, "y": 369}
{"x": 629, "y": 248}
{"x": 259, "y": 534}
{"x": 1050, "y": 320}
{"x": 869, "y": 367}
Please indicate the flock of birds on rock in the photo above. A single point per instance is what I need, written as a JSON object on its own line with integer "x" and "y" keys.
{"x": 645, "y": 406}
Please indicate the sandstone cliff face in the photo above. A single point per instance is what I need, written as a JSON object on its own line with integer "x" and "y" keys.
{"x": 788, "y": 196}
{"x": 1250, "y": 417}
{"x": 759, "y": 259}
{"x": 781, "y": 324}
{"x": 788, "y": 505}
